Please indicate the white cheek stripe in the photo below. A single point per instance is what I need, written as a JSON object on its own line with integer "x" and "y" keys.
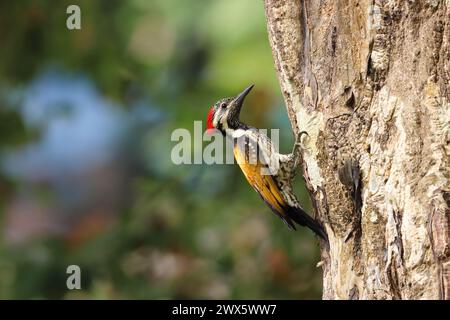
{"x": 225, "y": 125}
{"x": 225, "y": 116}
{"x": 216, "y": 119}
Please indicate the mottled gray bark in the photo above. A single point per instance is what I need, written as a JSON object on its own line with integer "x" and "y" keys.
{"x": 369, "y": 82}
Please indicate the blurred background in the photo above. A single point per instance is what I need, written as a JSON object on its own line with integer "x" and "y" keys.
{"x": 86, "y": 177}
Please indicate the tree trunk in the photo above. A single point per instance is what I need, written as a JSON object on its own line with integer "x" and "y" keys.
{"x": 369, "y": 82}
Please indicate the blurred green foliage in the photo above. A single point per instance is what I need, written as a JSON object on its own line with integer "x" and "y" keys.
{"x": 191, "y": 231}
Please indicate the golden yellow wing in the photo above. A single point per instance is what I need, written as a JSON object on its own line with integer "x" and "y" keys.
{"x": 263, "y": 184}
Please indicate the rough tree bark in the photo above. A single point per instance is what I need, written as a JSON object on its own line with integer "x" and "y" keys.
{"x": 369, "y": 82}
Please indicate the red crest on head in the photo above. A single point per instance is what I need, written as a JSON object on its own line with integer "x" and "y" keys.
{"x": 209, "y": 120}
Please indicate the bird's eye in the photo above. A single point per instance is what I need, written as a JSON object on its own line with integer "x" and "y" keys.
{"x": 223, "y": 105}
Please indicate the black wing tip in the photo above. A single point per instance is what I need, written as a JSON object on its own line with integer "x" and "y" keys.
{"x": 290, "y": 224}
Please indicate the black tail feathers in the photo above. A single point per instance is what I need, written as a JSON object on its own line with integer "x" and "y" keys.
{"x": 302, "y": 218}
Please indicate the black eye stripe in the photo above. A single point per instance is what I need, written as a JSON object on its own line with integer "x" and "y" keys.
{"x": 219, "y": 127}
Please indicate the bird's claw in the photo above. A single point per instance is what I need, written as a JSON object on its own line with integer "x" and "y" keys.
{"x": 299, "y": 141}
{"x": 298, "y": 147}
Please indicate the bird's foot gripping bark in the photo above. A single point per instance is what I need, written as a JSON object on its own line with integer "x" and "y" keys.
{"x": 297, "y": 150}
{"x": 290, "y": 162}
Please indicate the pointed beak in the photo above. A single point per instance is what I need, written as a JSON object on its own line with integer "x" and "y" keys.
{"x": 237, "y": 103}
{"x": 240, "y": 98}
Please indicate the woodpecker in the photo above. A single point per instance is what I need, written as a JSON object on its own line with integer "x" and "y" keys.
{"x": 268, "y": 172}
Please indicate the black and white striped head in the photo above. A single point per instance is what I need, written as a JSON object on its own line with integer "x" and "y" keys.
{"x": 225, "y": 112}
